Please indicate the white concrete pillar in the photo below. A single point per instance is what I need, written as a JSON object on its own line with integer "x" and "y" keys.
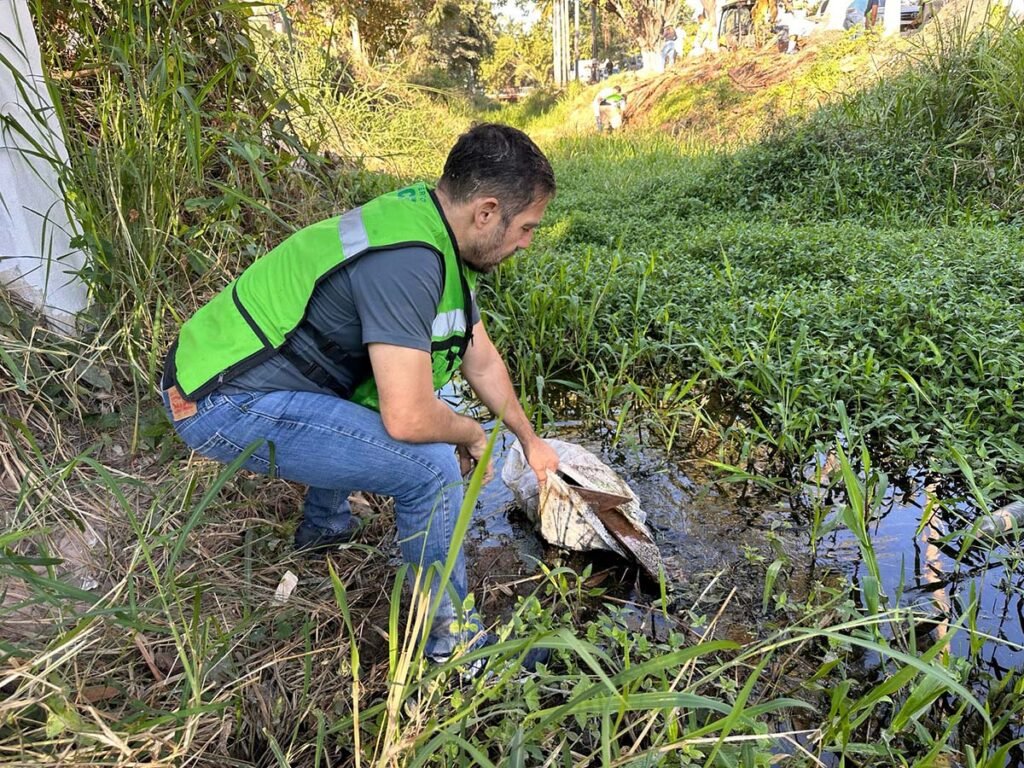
{"x": 36, "y": 258}
{"x": 891, "y": 17}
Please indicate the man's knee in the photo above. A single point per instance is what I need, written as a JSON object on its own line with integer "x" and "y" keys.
{"x": 448, "y": 469}
{"x": 439, "y": 472}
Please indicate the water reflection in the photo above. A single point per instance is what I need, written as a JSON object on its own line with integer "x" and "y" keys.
{"x": 928, "y": 563}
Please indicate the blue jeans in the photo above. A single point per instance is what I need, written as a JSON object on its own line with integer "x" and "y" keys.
{"x": 335, "y": 446}
{"x": 668, "y": 53}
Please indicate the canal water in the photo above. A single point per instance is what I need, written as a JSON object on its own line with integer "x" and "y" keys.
{"x": 718, "y": 541}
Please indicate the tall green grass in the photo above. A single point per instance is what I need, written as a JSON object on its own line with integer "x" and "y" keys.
{"x": 183, "y": 164}
{"x": 933, "y": 143}
{"x": 199, "y": 140}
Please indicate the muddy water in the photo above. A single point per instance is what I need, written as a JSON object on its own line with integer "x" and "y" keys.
{"x": 934, "y": 571}
{"x": 716, "y": 546}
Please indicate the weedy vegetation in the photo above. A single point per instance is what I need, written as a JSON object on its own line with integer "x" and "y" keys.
{"x": 851, "y": 285}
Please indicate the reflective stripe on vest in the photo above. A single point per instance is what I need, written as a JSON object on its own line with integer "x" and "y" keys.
{"x": 354, "y": 238}
{"x": 447, "y": 323}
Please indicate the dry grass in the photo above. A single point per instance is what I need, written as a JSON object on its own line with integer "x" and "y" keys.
{"x": 139, "y": 622}
{"x": 134, "y": 630}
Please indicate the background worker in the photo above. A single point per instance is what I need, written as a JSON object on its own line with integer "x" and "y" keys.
{"x": 608, "y": 106}
{"x": 669, "y": 46}
{"x": 327, "y": 353}
{"x": 704, "y": 38}
{"x": 871, "y": 14}
{"x": 680, "y": 42}
{"x": 855, "y": 14}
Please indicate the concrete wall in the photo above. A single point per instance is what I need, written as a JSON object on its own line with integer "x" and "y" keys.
{"x": 36, "y": 258}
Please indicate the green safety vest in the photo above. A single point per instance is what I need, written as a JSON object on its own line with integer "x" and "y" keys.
{"x": 251, "y": 318}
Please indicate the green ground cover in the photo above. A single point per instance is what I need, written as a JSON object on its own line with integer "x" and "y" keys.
{"x": 639, "y": 281}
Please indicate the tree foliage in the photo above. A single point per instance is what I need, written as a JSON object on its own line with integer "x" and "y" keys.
{"x": 456, "y": 36}
{"x": 449, "y": 36}
{"x": 383, "y": 27}
{"x": 645, "y": 19}
{"x": 519, "y": 58}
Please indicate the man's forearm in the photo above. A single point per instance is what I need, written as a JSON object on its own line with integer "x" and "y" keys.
{"x": 494, "y": 387}
{"x": 410, "y": 411}
{"x": 437, "y": 423}
{"x": 485, "y": 371}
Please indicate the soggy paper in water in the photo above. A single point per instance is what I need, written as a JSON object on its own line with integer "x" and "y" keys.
{"x": 561, "y": 515}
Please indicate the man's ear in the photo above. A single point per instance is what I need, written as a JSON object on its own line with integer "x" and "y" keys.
{"x": 486, "y": 210}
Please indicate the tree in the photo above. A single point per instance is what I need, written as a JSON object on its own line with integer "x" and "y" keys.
{"x": 456, "y": 36}
{"x": 439, "y": 36}
{"x": 519, "y": 59}
{"x": 645, "y": 20}
{"x": 376, "y": 29}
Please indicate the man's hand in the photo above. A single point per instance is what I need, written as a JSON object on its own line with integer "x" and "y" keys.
{"x": 466, "y": 462}
{"x": 541, "y": 458}
{"x": 469, "y": 457}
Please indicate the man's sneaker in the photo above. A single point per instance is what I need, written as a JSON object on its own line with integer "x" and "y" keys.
{"x": 534, "y": 657}
{"x": 470, "y": 670}
{"x": 311, "y": 540}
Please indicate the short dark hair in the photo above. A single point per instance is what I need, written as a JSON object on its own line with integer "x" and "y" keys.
{"x": 497, "y": 161}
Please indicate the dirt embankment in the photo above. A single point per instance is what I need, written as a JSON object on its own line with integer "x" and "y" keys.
{"x": 733, "y": 97}
{"x": 727, "y": 97}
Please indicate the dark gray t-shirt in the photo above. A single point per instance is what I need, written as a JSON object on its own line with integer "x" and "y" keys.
{"x": 388, "y": 297}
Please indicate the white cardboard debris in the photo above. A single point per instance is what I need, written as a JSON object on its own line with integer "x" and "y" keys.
{"x": 566, "y": 520}
{"x": 285, "y": 588}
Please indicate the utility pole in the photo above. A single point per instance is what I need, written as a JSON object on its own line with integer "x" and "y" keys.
{"x": 576, "y": 37}
{"x": 891, "y": 18}
{"x": 560, "y": 40}
{"x": 565, "y": 41}
{"x": 556, "y": 43}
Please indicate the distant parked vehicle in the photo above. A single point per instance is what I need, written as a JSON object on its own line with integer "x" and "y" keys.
{"x": 913, "y": 13}
{"x": 736, "y": 23}
{"x": 633, "y": 63}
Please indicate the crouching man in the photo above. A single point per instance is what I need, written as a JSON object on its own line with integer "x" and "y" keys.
{"x": 329, "y": 349}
